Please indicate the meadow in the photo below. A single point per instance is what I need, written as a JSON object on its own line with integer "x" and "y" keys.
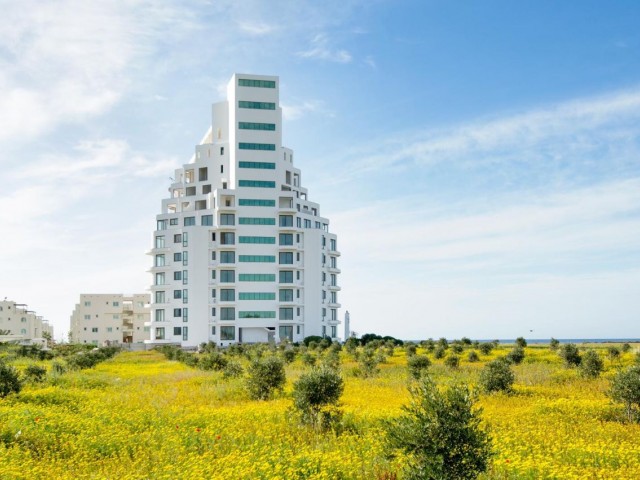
{"x": 140, "y": 415}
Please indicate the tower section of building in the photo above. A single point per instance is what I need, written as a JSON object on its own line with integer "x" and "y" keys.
{"x": 240, "y": 253}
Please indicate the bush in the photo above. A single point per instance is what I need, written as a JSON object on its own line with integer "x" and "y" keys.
{"x": 521, "y": 342}
{"x": 441, "y": 433}
{"x": 428, "y": 345}
{"x": 591, "y": 365}
{"x": 315, "y": 390}
{"x": 473, "y": 356}
{"x": 213, "y": 361}
{"x": 625, "y": 389}
{"x": 331, "y": 360}
{"x": 58, "y": 368}
{"x": 516, "y": 355}
{"x": 457, "y": 348}
{"x": 308, "y": 359}
{"x": 417, "y": 364}
{"x": 411, "y": 350}
{"x": 452, "y": 361}
{"x": 613, "y": 353}
{"x": 288, "y": 355}
{"x": 35, "y": 373}
{"x": 554, "y": 344}
{"x": 368, "y": 363}
{"x": 439, "y": 352}
{"x": 9, "y": 380}
{"x": 312, "y": 338}
{"x": 497, "y": 376}
{"x": 265, "y": 376}
{"x": 233, "y": 369}
{"x": 626, "y": 347}
{"x": 570, "y": 354}
{"x": 486, "y": 347}
{"x": 443, "y": 342}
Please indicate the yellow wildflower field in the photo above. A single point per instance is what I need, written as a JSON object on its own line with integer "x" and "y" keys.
{"x": 140, "y": 416}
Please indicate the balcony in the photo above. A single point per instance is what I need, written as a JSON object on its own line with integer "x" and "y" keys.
{"x": 334, "y": 288}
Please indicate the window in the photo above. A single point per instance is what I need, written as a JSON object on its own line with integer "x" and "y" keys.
{"x": 177, "y": 330}
{"x": 213, "y": 330}
{"x": 159, "y": 333}
{"x": 334, "y": 314}
{"x": 257, "y": 183}
{"x": 189, "y": 221}
{"x": 227, "y": 219}
{"x": 332, "y": 244}
{"x": 259, "y": 240}
{"x": 185, "y": 333}
{"x": 258, "y": 258}
{"x": 206, "y": 220}
{"x": 307, "y": 223}
{"x": 227, "y": 238}
{"x": 286, "y": 313}
{"x": 259, "y": 165}
{"x": 286, "y": 220}
{"x": 177, "y": 257}
{"x": 332, "y": 262}
{"x": 227, "y": 313}
{"x": 257, "y": 296}
{"x": 227, "y": 295}
{"x": 227, "y": 257}
{"x": 213, "y": 293}
{"x": 159, "y": 297}
{"x": 173, "y": 221}
{"x": 185, "y": 277}
{"x": 159, "y": 278}
{"x": 159, "y": 315}
{"x": 177, "y": 312}
{"x": 202, "y": 174}
{"x": 160, "y": 242}
{"x": 257, "y": 126}
{"x": 185, "y": 296}
{"x": 286, "y": 295}
{"x": 286, "y": 239}
{"x": 257, "y": 105}
{"x": 243, "y": 82}
{"x": 257, "y": 314}
{"x": 254, "y": 202}
{"x": 87, "y": 317}
{"x": 324, "y": 241}
{"x": 109, "y": 329}
{"x": 334, "y": 331}
{"x": 185, "y": 239}
{"x": 185, "y": 314}
{"x": 87, "y": 304}
{"x": 206, "y": 189}
{"x": 93, "y": 329}
{"x": 257, "y": 277}
{"x": 185, "y": 259}
{"x": 286, "y": 331}
{"x": 257, "y": 221}
{"x": 334, "y": 297}
{"x": 159, "y": 260}
{"x": 286, "y": 258}
{"x": 227, "y": 333}
{"x": 177, "y": 238}
{"x": 177, "y": 294}
{"x": 324, "y": 331}
{"x": 286, "y": 276}
{"x": 177, "y": 275}
{"x": 227, "y": 276}
{"x": 161, "y": 225}
{"x": 333, "y": 279}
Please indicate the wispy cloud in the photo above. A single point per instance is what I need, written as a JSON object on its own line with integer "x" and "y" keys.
{"x": 320, "y": 49}
{"x": 298, "y": 110}
{"x": 257, "y": 29}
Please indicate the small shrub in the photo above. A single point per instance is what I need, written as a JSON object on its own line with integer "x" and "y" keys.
{"x": 521, "y": 342}
{"x": 554, "y": 344}
{"x": 429, "y": 345}
{"x": 443, "y": 342}
{"x": 314, "y": 391}
{"x": 613, "y": 353}
{"x": 457, "y": 348}
{"x": 625, "y": 389}
{"x": 452, "y": 361}
{"x": 35, "y": 373}
{"x": 9, "y": 380}
{"x": 570, "y": 354}
{"x": 266, "y": 375}
{"x": 441, "y": 434}
{"x": 626, "y": 347}
{"x": 213, "y": 361}
{"x": 288, "y": 355}
{"x": 233, "y": 369}
{"x": 410, "y": 350}
{"x": 331, "y": 360}
{"x": 486, "y": 348}
{"x": 591, "y": 365}
{"x": 58, "y": 368}
{"x": 368, "y": 363}
{"x": 516, "y": 355}
{"x": 417, "y": 364}
{"x": 309, "y": 359}
{"x": 497, "y": 376}
{"x": 439, "y": 352}
{"x": 473, "y": 357}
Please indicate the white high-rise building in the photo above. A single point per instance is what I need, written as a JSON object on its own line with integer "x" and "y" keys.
{"x": 240, "y": 252}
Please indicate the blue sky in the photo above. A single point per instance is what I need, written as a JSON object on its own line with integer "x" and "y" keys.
{"x": 479, "y": 161}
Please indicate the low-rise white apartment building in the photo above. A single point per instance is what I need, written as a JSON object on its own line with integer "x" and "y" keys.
{"x": 110, "y": 319}
{"x": 19, "y": 324}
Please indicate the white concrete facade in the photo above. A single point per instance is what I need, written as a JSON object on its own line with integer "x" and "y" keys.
{"x": 19, "y": 324}
{"x": 240, "y": 254}
{"x": 110, "y": 319}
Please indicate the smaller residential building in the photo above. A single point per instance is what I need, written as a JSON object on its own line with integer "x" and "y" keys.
{"x": 110, "y": 319}
{"x": 19, "y": 324}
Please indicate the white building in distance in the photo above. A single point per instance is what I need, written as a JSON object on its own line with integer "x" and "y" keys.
{"x": 110, "y": 319}
{"x": 18, "y": 324}
{"x": 240, "y": 253}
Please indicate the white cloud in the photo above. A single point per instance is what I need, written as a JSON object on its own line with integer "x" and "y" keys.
{"x": 294, "y": 112}
{"x": 320, "y": 49}
{"x": 257, "y": 29}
